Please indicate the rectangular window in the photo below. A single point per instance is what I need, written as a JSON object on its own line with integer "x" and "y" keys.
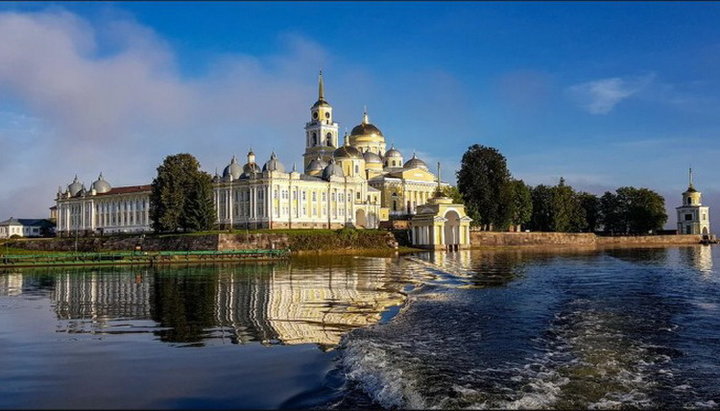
{"x": 314, "y": 196}
{"x": 688, "y": 217}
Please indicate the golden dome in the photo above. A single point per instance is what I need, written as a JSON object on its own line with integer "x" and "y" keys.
{"x": 365, "y": 131}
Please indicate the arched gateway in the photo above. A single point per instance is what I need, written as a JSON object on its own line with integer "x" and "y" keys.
{"x": 439, "y": 224}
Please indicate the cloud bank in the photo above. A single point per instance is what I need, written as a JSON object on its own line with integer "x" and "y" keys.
{"x": 113, "y": 98}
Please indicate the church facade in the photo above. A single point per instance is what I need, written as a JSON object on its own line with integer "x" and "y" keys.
{"x": 357, "y": 183}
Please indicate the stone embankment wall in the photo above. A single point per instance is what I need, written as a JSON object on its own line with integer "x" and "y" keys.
{"x": 489, "y": 238}
{"x": 305, "y": 240}
{"x": 649, "y": 240}
{"x": 502, "y": 239}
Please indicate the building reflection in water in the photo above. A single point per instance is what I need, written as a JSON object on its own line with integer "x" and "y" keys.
{"x": 699, "y": 257}
{"x": 290, "y": 303}
{"x": 11, "y": 284}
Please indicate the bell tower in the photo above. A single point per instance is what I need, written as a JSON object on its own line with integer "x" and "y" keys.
{"x": 321, "y": 132}
{"x": 692, "y": 216}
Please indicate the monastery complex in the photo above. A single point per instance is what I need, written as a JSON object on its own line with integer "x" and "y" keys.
{"x": 359, "y": 183}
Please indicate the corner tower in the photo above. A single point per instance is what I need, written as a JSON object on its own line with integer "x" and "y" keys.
{"x": 321, "y": 132}
{"x": 692, "y": 216}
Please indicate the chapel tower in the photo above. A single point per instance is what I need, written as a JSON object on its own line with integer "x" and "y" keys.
{"x": 321, "y": 132}
{"x": 692, "y": 216}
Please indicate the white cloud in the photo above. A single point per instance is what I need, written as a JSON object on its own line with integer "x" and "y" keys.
{"x": 601, "y": 96}
{"x": 111, "y": 98}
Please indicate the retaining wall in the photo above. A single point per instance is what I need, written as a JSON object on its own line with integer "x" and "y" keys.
{"x": 672, "y": 239}
{"x": 489, "y": 238}
{"x": 501, "y": 239}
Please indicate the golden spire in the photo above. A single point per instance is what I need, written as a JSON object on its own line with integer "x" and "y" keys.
{"x": 321, "y": 87}
{"x": 365, "y": 119}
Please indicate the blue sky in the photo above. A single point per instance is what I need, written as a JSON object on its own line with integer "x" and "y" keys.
{"x": 604, "y": 94}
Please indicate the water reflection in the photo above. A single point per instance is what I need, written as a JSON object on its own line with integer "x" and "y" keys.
{"x": 288, "y": 303}
{"x": 698, "y": 257}
{"x": 647, "y": 255}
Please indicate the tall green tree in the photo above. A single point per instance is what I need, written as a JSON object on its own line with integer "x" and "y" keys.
{"x": 567, "y": 212}
{"x": 591, "y": 204}
{"x": 542, "y": 217}
{"x": 200, "y": 211}
{"x": 181, "y": 197}
{"x": 612, "y": 213}
{"x": 482, "y": 180}
{"x": 521, "y": 204}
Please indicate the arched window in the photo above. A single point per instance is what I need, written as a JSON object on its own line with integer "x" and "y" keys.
{"x": 357, "y": 169}
{"x": 329, "y": 139}
{"x": 314, "y": 138}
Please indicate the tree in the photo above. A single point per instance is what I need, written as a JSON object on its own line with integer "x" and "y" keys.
{"x": 181, "y": 196}
{"x": 567, "y": 213}
{"x": 482, "y": 180}
{"x": 521, "y": 204}
{"x": 591, "y": 204}
{"x": 541, "y": 219}
{"x": 632, "y": 210}
{"x": 200, "y": 213}
{"x": 454, "y": 193}
{"x": 612, "y": 213}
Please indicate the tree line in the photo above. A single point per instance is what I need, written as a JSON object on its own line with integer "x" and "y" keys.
{"x": 497, "y": 201}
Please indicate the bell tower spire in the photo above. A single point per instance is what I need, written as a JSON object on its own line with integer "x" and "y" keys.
{"x": 321, "y": 132}
{"x": 690, "y": 183}
{"x": 321, "y": 87}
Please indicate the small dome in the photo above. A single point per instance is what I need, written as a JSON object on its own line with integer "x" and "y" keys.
{"x": 232, "y": 171}
{"x": 317, "y": 166}
{"x": 347, "y": 151}
{"x": 249, "y": 169}
{"x": 332, "y": 170}
{"x": 371, "y": 157}
{"x": 273, "y": 164}
{"x": 75, "y": 187}
{"x": 415, "y": 162}
{"x": 392, "y": 153}
{"x": 100, "y": 185}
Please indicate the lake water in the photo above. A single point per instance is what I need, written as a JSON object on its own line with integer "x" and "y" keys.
{"x": 514, "y": 329}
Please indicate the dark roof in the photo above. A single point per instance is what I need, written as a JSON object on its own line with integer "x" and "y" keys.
{"x": 26, "y": 221}
{"x": 127, "y": 190}
{"x": 321, "y": 102}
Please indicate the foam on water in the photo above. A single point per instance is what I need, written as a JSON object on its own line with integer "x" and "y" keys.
{"x": 491, "y": 346}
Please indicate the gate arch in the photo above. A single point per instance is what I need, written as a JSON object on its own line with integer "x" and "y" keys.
{"x": 451, "y": 228}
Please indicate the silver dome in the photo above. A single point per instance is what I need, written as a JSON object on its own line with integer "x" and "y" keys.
{"x": 415, "y": 162}
{"x": 273, "y": 164}
{"x": 75, "y": 187}
{"x": 371, "y": 157}
{"x": 392, "y": 153}
{"x": 101, "y": 185}
{"x": 332, "y": 170}
{"x": 232, "y": 171}
{"x": 316, "y": 165}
